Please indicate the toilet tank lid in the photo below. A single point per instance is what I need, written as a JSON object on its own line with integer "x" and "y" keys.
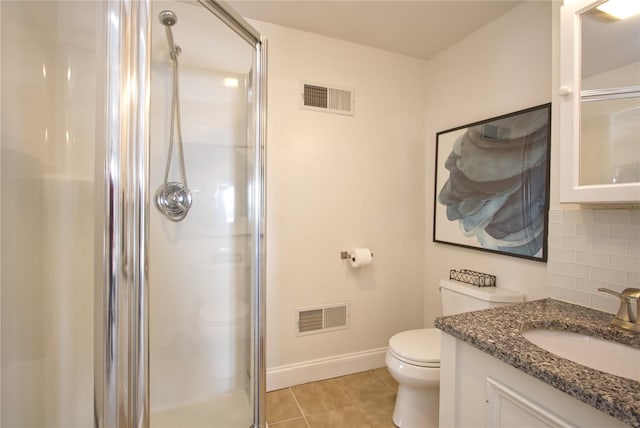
{"x": 488, "y": 294}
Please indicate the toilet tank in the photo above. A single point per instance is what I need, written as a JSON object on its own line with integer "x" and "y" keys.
{"x": 458, "y": 297}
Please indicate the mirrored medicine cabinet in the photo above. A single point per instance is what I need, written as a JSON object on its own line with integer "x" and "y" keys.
{"x": 599, "y": 102}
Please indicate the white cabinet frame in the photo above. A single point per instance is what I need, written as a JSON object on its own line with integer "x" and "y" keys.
{"x": 569, "y": 91}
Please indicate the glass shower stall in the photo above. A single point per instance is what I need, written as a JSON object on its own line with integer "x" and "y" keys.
{"x": 132, "y": 213}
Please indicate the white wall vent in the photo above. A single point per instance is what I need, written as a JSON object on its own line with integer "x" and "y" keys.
{"x": 322, "y": 318}
{"x": 330, "y": 99}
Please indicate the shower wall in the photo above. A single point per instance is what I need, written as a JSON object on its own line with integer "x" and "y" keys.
{"x": 199, "y": 268}
{"x": 47, "y": 175}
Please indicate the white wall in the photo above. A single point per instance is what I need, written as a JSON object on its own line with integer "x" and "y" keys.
{"x": 339, "y": 182}
{"x": 503, "y": 67}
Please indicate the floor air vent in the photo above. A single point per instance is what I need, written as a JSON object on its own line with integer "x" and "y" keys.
{"x": 321, "y": 319}
{"x": 319, "y": 97}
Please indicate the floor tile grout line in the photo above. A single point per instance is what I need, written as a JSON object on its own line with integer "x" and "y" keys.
{"x": 358, "y": 403}
{"x": 285, "y": 420}
{"x": 299, "y": 407}
{"x": 351, "y": 402}
{"x": 384, "y": 381}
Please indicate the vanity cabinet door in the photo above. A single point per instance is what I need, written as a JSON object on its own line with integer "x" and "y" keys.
{"x": 599, "y": 105}
{"x": 508, "y": 408}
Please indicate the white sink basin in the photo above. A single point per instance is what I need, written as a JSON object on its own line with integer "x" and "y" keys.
{"x": 609, "y": 357}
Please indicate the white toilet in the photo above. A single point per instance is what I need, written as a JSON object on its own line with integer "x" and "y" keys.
{"x": 413, "y": 356}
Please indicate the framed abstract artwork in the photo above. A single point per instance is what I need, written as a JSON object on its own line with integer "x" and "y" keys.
{"x": 492, "y": 184}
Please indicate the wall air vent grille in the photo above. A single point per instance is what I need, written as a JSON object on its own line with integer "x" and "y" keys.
{"x": 319, "y": 97}
{"x": 310, "y": 320}
{"x": 323, "y": 318}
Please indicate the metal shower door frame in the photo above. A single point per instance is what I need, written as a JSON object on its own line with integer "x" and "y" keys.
{"x": 121, "y": 286}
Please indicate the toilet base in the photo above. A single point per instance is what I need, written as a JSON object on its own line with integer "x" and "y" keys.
{"x": 416, "y": 407}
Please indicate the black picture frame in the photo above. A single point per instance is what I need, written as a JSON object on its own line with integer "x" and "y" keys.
{"x": 492, "y": 184}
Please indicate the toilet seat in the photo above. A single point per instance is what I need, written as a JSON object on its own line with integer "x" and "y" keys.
{"x": 419, "y": 347}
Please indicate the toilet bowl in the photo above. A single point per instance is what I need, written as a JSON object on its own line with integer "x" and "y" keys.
{"x": 413, "y": 356}
{"x": 413, "y": 360}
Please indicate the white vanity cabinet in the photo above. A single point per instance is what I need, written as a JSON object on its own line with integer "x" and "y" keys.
{"x": 477, "y": 390}
{"x": 599, "y": 98}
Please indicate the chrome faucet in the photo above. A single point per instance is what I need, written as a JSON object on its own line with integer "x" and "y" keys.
{"x": 625, "y": 318}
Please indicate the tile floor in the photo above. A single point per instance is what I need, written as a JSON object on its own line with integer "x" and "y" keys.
{"x": 360, "y": 400}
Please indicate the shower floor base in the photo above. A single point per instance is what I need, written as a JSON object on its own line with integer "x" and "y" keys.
{"x": 227, "y": 411}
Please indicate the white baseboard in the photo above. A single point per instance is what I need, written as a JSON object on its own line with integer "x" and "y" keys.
{"x": 324, "y": 368}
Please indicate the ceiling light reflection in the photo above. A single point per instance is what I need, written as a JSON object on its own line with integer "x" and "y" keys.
{"x": 621, "y": 9}
{"x": 230, "y": 82}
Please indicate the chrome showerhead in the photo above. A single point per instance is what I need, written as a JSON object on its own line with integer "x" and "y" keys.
{"x": 168, "y": 18}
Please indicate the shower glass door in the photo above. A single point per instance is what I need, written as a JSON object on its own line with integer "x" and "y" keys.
{"x": 48, "y": 117}
{"x": 201, "y": 267}
{"x": 111, "y": 313}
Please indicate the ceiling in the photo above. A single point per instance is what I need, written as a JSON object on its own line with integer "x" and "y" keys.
{"x": 417, "y": 28}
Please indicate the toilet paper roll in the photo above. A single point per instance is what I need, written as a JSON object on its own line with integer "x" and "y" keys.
{"x": 360, "y": 257}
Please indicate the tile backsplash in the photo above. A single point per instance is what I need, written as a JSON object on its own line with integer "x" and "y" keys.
{"x": 592, "y": 248}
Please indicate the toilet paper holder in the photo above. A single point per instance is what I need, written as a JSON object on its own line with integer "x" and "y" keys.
{"x": 344, "y": 255}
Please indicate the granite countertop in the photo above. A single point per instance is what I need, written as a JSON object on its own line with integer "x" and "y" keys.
{"x": 497, "y": 332}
